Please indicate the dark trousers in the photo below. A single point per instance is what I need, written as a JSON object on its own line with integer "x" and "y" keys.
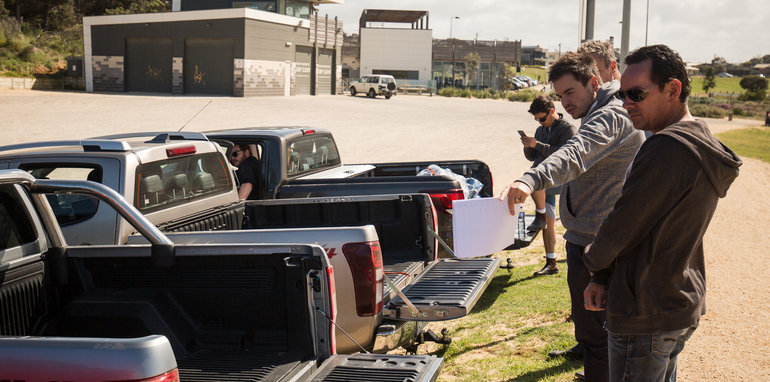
{"x": 589, "y": 326}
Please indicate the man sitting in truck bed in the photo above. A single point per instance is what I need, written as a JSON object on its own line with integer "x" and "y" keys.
{"x": 247, "y": 173}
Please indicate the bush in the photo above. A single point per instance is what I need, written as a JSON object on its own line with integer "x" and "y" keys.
{"x": 707, "y": 111}
{"x": 527, "y": 95}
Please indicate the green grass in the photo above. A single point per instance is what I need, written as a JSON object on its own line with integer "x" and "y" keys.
{"x": 518, "y": 320}
{"x": 724, "y": 85}
{"x": 752, "y": 142}
{"x": 534, "y": 71}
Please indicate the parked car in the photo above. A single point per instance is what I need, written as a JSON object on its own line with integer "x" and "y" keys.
{"x": 724, "y": 74}
{"x": 374, "y": 85}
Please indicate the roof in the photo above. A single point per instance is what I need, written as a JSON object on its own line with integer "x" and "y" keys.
{"x": 391, "y": 16}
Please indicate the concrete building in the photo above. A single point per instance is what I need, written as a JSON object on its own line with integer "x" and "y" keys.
{"x": 277, "y": 47}
{"x": 449, "y": 61}
{"x": 351, "y": 62}
{"x": 533, "y": 55}
{"x": 388, "y": 47}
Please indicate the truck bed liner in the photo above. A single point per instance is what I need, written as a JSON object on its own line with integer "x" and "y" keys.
{"x": 229, "y": 365}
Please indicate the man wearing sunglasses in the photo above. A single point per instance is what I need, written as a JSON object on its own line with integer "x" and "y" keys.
{"x": 647, "y": 257}
{"x": 247, "y": 172}
{"x": 552, "y": 133}
{"x": 590, "y": 167}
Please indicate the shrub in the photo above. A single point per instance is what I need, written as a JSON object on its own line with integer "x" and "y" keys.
{"x": 707, "y": 111}
{"x": 527, "y": 95}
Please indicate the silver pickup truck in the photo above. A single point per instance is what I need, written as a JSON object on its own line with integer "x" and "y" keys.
{"x": 165, "y": 312}
{"x": 182, "y": 183}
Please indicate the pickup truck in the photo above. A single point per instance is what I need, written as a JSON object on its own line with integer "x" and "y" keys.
{"x": 299, "y": 162}
{"x": 182, "y": 183}
{"x": 374, "y": 85}
{"x": 164, "y": 311}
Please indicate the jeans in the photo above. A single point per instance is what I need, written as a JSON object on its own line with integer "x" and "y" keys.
{"x": 589, "y": 325}
{"x": 646, "y": 357}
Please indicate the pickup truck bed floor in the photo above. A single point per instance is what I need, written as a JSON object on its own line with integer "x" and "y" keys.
{"x": 216, "y": 365}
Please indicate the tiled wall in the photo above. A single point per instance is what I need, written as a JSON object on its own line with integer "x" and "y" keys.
{"x": 108, "y": 73}
{"x": 177, "y": 76}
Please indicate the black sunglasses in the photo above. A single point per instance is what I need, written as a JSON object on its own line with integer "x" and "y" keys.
{"x": 235, "y": 153}
{"x": 634, "y": 94}
{"x": 541, "y": 120}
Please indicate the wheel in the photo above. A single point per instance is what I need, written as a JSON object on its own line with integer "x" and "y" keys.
{"x": 387, "y": 96}
{"x": 353, "y": 91}
{"x": 372, "y": 93}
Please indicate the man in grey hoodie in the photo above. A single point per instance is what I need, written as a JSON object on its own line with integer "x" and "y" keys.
{"x": 590, "y": 167}
{"x": 647, "y": 257}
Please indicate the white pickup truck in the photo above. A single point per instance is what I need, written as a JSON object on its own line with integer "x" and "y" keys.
{"x": 374, "y": 85}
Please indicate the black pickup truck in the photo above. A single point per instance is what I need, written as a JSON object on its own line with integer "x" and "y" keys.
{"x": 297, "y": 162}
{"x": 165, "y": 311}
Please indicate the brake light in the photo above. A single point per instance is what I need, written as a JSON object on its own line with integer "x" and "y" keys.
{"x": 445, "y": 199}
{"x": 177, "y": 151}
{"x": 365, "y": 261}
{"x": 308, "y": 132}
{"x": 333, "y": 308}
{"x": 171, "y": 376}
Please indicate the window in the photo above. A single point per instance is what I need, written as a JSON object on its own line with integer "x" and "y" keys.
{"x": 177, "y": 181}
{"x": 15, "y": 226}
{"x": 268, "y": 5}
{"x": 400, "y": 74}
{"x": 312, "y": 152}
{"x": 298, "y": 8}
{"x": 69, "y": 209}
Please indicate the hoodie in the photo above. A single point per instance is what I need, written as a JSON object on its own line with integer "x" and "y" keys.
{"x": 591, "y": 166}
{"x": 649, "y": 250}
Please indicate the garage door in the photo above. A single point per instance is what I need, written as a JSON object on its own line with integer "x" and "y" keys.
{"x": 303, "y": 59}
{"x": 324, "y": 75}
{"x": 148, "y": 64}
{"x": 208, "y": 65}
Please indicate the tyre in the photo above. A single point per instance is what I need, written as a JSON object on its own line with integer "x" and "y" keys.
{"x": 353, "y": 91}
{"x": 387, "y": 96}
{"x": 372, "y": 93}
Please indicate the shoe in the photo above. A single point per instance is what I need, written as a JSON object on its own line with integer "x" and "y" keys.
{"x": 549, "y": 268}
{"x": 580, "y": 375}
{"x": 575, "y": 352}
{"x": 538, "y": 224}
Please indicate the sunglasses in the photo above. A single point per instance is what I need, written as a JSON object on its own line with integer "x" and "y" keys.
{"x": 235, "y": 153}
{"x": 541, "y": 120}
{"x": 634, "y": 94}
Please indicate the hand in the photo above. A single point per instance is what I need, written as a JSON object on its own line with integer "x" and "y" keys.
{"x": 529, "y": 142}
{"x": 516, "y": 193}
{"x": 595, "y": 296}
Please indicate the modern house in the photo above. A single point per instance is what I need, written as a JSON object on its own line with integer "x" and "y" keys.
{"x": 223, "y": 47}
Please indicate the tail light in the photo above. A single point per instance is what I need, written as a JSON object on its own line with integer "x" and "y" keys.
{"x": 171, "y": 376}
{"x": 179, "y": 151}
{"x": 365, "y": 261}
{"x": 445, "y": 199}
{"x": 333, "y": 308}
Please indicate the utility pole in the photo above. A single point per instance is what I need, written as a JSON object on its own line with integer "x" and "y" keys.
{"x": 451, "y": 19}
{"x": 626, "y": 32}
{"x": 647, "y": 23}
{"x": 590, "y": 6}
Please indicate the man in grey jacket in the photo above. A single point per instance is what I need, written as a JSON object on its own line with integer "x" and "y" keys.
{"x": 590, "y": 167}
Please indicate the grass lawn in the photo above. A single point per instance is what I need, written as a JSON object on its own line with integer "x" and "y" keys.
{"x": 724, "y": 85}
{"x": 752, "y": 142}
{"x": 518, "y": 320}
{"x": 533, "y": 72}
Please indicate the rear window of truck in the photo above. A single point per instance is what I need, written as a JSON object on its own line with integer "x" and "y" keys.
{"x": 69, "y": 209}
{"x": 177, "y": 181}
{"x": 310, "y": 153}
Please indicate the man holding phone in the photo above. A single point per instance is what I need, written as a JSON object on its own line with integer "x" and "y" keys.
{"x": 552, "y": 133}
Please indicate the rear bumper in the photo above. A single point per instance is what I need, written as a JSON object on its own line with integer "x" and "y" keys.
{"x": 394, "y": 334}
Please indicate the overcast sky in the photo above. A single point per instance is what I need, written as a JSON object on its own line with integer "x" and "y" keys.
{"x": 698, "y": 29}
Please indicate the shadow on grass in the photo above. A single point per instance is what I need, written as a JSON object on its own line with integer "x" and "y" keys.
{"x": 498, "y": 286}
{"x": 538, "y": 375}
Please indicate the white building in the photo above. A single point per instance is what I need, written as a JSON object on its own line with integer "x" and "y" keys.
{"x": 387, "y": 47}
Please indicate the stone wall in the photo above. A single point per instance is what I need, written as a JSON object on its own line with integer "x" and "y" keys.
{"x": 108, "y": 73}
{"x": 177, "y": 76}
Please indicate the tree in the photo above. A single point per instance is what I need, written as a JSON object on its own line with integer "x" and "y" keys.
{"x": 62, "y": 16}
{"x": 708, "y": 81}
{"x": 719, "y": 64}
{"x": 140, "y": 6}
{"x": 756, "y": 88}
{"x": 472, "y": 61}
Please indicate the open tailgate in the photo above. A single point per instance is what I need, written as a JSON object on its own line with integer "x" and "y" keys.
{"x": 445, "y": 290}
{"x": 379, "y": 368}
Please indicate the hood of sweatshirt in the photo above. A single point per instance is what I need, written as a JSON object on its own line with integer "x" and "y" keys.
{"x": 719, "y": 163}
{"x": 605, "y": 95}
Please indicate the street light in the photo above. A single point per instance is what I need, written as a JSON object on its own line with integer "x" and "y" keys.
{"x": 451, "y": 19}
